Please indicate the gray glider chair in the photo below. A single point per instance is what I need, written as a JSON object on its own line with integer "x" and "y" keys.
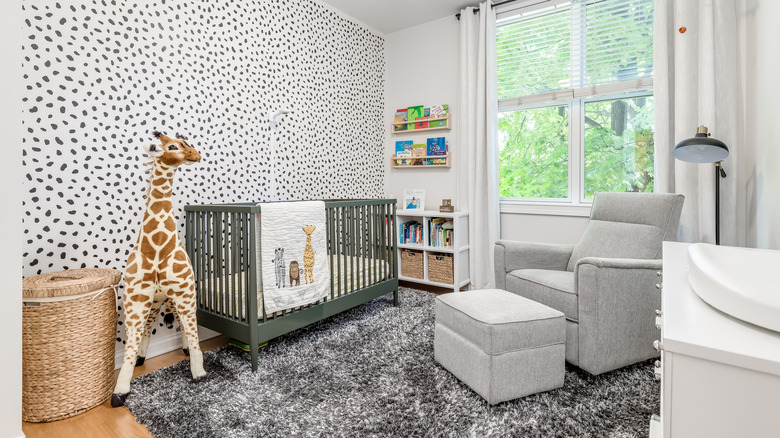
{"x": 605, "y": 284}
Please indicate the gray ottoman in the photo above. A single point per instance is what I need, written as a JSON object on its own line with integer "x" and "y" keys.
{"x": 500, "y": 344}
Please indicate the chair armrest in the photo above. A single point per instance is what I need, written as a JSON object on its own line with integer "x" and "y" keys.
{"x": 617, "y": 299}
{"x": 512, "y": 255}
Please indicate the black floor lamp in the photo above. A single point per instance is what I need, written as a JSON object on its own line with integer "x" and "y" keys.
{"x": 703, "y": 149}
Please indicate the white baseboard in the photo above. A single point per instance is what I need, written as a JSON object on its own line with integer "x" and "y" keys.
{"x": 165, "y": 344}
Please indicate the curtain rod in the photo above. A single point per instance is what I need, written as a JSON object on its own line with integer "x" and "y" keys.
{"x": 494, "y": 4}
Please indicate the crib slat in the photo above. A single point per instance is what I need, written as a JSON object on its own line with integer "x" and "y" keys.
{"x": 210, "y": 261}
{"x": 201, "y": 279}
{"x": 244, "y": 272}
{"x": 331, "y": 252}
{"x": 393, "y": 245}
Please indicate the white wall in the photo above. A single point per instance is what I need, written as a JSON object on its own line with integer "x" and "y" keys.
{"x": 762, "y": 116}
{"x": 11, "y": 224}
{"x": 422, "y": 69}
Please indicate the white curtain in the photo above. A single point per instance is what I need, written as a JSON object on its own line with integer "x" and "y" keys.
{"x": 697, "y": 82}
{"x": 477, "y": 165}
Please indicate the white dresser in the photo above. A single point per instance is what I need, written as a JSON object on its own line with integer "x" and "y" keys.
{"x": 720, "y": 375}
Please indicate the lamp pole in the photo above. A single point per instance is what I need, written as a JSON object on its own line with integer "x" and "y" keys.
{"x": 719, "y": 173}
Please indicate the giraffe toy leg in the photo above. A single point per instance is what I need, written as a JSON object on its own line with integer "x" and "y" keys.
{"x": 184, "y": 343}
{"x": 186, "y": 311}
{"x": 137, "y": 303}
{"x": 153, "y": 312}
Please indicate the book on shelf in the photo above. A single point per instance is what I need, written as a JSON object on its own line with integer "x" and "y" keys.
{"x": 438, "y": 112}
{"x": 411, "y": 233}
{"x": 414, "y": 113}
{"x": 418, "y": 150}
{"x": 403, "y": 146}
{"x": 436, "y": 146}
{"x": 440, "y": 232}
{"x": 400, "y": 116}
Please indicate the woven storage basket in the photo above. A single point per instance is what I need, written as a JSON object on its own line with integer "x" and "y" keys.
{"x": 412, "y": 263}
{"x": 68, "y": 339}
{"x": 440, "y": 268}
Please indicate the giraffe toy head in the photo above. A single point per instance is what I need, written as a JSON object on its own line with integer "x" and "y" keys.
{"x": 172, "y": 151}
{"x": 308, "y": 229}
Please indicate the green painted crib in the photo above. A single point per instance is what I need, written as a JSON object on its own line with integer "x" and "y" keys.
{"x": 221, "y": 240}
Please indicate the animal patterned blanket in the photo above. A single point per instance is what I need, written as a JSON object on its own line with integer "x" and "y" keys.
{"x": 294, "y": 254}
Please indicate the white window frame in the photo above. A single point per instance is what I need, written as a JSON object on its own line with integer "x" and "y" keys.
{"x": 575, "y": 99}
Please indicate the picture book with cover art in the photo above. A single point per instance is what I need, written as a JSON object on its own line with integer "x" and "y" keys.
{"x": 400, "y": 116}
{"x": 403, "y": 148}
{"x": 438, "y": 112}
{"x": 414, "y": 113}
{"x": 437, "y": 146}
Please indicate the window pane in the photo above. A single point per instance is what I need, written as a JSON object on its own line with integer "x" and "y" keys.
{"x": 534, "y": 153}
{"x": 618, "y": 40}
{"x": 619, "y": 145}
{"x": 532, "y": 53}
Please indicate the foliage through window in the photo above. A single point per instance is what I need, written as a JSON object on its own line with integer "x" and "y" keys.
{"x": 575, "y": 99}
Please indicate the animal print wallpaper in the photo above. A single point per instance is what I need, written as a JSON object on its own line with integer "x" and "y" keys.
{"x": 101, "y": 75}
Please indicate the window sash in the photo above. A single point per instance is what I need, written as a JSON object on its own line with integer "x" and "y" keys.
{"x": 576, "y": 195}
{"x": 588, "y": 75}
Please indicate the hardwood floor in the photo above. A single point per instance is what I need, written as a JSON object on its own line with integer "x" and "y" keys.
{"x": 104, "y": 421}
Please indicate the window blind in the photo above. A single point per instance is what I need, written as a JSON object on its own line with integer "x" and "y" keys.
{"x": 579, "y": 48}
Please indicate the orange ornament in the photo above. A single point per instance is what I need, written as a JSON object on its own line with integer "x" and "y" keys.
{"x": 683, "y": 29}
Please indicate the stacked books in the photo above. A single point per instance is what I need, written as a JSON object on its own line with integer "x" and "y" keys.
{"x": 411, "y": 232}
{"x": 440, "y": 232}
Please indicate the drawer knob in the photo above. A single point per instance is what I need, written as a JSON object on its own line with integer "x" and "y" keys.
{"x": 659, "y": 273}
{"x": 658, "y": 345}
{"x": 657, "y": 364}
{"x": 659, "y": 286}
{"x": 658, "y": 312}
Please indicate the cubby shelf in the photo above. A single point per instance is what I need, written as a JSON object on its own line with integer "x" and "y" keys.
{"x": 459, "y": 248}
{"x": 447, "y": 125}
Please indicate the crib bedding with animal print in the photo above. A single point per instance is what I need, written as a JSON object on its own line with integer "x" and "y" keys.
{"x": 293, "y": 254}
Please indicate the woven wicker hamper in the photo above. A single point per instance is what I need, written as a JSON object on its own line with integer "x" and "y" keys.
{"x": 440, "y": 268}
{"x": 68, "y": 340}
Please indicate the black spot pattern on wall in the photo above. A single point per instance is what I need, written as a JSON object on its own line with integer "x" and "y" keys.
{"x": 100, "y": 75}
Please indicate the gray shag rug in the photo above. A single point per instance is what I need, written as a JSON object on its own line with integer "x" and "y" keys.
{"x": 370, "y": 372}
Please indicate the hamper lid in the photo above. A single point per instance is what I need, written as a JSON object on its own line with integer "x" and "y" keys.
{"x": 69, "y": 282}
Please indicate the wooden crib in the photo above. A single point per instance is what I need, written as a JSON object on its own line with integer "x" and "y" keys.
{"x": 222, "y": 245}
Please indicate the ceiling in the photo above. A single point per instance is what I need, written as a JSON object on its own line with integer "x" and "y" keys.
{"x": 388, "y": 16}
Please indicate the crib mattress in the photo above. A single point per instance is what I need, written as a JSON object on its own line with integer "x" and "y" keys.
{"x": 349, "y": 274}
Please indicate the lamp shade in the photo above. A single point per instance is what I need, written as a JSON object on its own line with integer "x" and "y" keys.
{"x": 701, "y": 148}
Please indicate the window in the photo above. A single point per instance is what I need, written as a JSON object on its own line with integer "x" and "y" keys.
{"x": 575, "y": 100}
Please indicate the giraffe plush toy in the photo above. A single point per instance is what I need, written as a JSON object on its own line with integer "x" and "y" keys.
{"x": 158, "y": 268}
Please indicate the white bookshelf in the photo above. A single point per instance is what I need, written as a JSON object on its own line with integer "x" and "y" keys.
{"x": 459, "y": 249}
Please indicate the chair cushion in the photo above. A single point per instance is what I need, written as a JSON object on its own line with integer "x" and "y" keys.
{"x": 629, "y": 225}
{"x": 551, "y": 288}
{"x": 618, "y": 240}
